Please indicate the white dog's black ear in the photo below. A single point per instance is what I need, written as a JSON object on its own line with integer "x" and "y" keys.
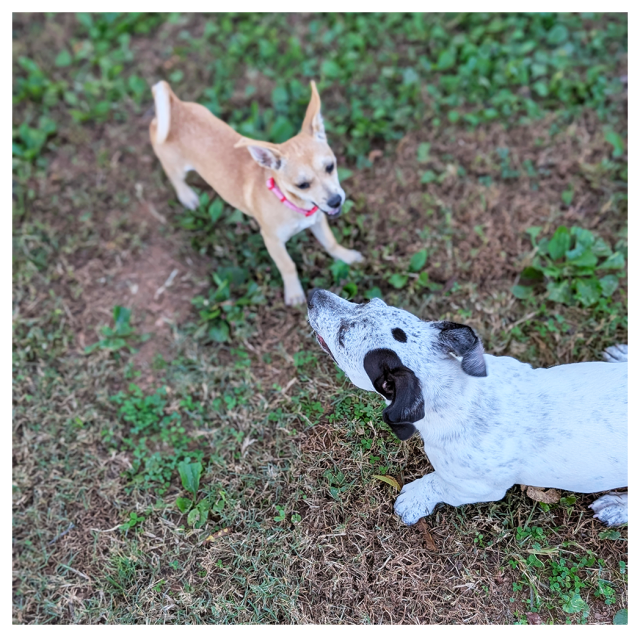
{"x": 463, "y": 341}
{"x": 398, "y": 384}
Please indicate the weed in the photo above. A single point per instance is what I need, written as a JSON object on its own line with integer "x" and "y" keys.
{"x": 120, "y": 336}
{"x": 567, "y": 575}
{"x": 621, "y": 618}
{"x": 132, "y": 522}
{"x": 219, "y": 310}
{"x": 337, "y": 483}
{"x": 569, "y": 264}
{"x": 190, "y": 473}
{"x": 158, "y": 441}
{"x": 29, "y": 140}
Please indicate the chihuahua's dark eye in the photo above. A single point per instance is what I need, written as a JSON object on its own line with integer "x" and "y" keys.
{"x": 304, "y": 185}
{"x": 329, "y": 168}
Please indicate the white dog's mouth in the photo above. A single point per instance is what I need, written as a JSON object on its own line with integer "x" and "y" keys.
{"x": 324, "y": 346}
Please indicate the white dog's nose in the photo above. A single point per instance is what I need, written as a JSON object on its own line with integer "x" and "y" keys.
{"x": 310, "y": 296}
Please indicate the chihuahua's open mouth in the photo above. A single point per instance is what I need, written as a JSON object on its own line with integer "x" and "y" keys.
{"x": 332, "y": 212}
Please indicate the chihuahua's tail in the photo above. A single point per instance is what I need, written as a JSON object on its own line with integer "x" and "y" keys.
{"x": 162, "y": 99}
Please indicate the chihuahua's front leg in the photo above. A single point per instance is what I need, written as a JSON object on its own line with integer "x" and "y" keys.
{"x": 418, "y": 498}
{"x": 323, "y": 234}
{"x": 293, "y": 293}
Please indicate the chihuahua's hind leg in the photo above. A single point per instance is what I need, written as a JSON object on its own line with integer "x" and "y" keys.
{"x": 176, "y": 170}
{"x": 322, "y": 232}
{"x": 165, "y": 148}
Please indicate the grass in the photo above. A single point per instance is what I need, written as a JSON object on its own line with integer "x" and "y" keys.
{"x": 183, "y": 452}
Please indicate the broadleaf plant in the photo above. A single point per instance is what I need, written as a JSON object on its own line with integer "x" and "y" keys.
{"x": 575, "y": 266}
{"x": 190, "y": 475}
{"x": 119, "y": 336}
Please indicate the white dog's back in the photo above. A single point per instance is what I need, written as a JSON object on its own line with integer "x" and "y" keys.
{"x": 576, "y": 411}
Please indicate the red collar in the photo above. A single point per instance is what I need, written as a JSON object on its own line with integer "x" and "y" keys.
{"x": 271, "y": 185}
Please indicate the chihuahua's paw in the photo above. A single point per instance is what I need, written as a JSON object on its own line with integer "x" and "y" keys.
{"x": 189, "y": 199}
{"x": 411, "y": 504}
{"x": 351, "y": 256}
{"x": 616, "y": 354}
{"x": 294, "y": 295}
{"x": 612, "y": 509}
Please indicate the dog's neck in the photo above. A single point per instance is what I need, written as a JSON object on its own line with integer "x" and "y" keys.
{"x": 271, "y": 185}
{"x": 448, "y": 400}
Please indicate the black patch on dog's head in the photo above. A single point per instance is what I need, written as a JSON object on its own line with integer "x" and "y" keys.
{"x": 463, "y": 341}
{"x": 344, "y": 326}
{"x": 399, "y": 335}
{"x": 398, "y": 384}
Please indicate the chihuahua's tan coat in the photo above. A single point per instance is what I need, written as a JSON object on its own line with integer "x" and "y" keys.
{"x": 187, "y": 136}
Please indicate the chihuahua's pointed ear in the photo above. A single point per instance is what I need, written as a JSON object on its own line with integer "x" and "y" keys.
{"x": 463, "y": 341}
{"x": 398, "y": 384}
{"x": 265, "y": 154}
{"x": 313, "y": 124}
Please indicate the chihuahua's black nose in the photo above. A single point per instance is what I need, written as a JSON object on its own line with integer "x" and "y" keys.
{"x": 335, "y": 201}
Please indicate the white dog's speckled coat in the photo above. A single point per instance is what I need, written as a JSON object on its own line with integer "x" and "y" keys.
{"x": 487, "y": 422}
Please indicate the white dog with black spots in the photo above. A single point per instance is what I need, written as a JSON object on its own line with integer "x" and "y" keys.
{"x": 487, "y": 422}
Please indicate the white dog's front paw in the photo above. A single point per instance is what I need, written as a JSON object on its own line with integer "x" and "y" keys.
{"x": 616, "y": 354}
{"x": 413, "y": 502}
{"x": 294, "y": 294}
{"x": 351, "y": 256}
{"x": 612, "y": 509}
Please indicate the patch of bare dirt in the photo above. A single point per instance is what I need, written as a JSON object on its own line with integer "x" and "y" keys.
{"x": 127, "y": 250}
{"x": 488, "y": 222}
{"x": 157, "y": 284}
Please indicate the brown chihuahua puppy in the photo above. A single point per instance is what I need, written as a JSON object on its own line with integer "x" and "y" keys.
{"x": 285, "y": 187}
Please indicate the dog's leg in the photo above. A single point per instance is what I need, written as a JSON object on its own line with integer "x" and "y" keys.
{"x": 418, "y": 498}
{"x": 322, "y": 232}
{"x": 176, "y": 169}
{"x": 186, "y": 195}
{"x": 616, "y": 354}
{"x": 293, "y": 292}
{"x": 612, "y": 509}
